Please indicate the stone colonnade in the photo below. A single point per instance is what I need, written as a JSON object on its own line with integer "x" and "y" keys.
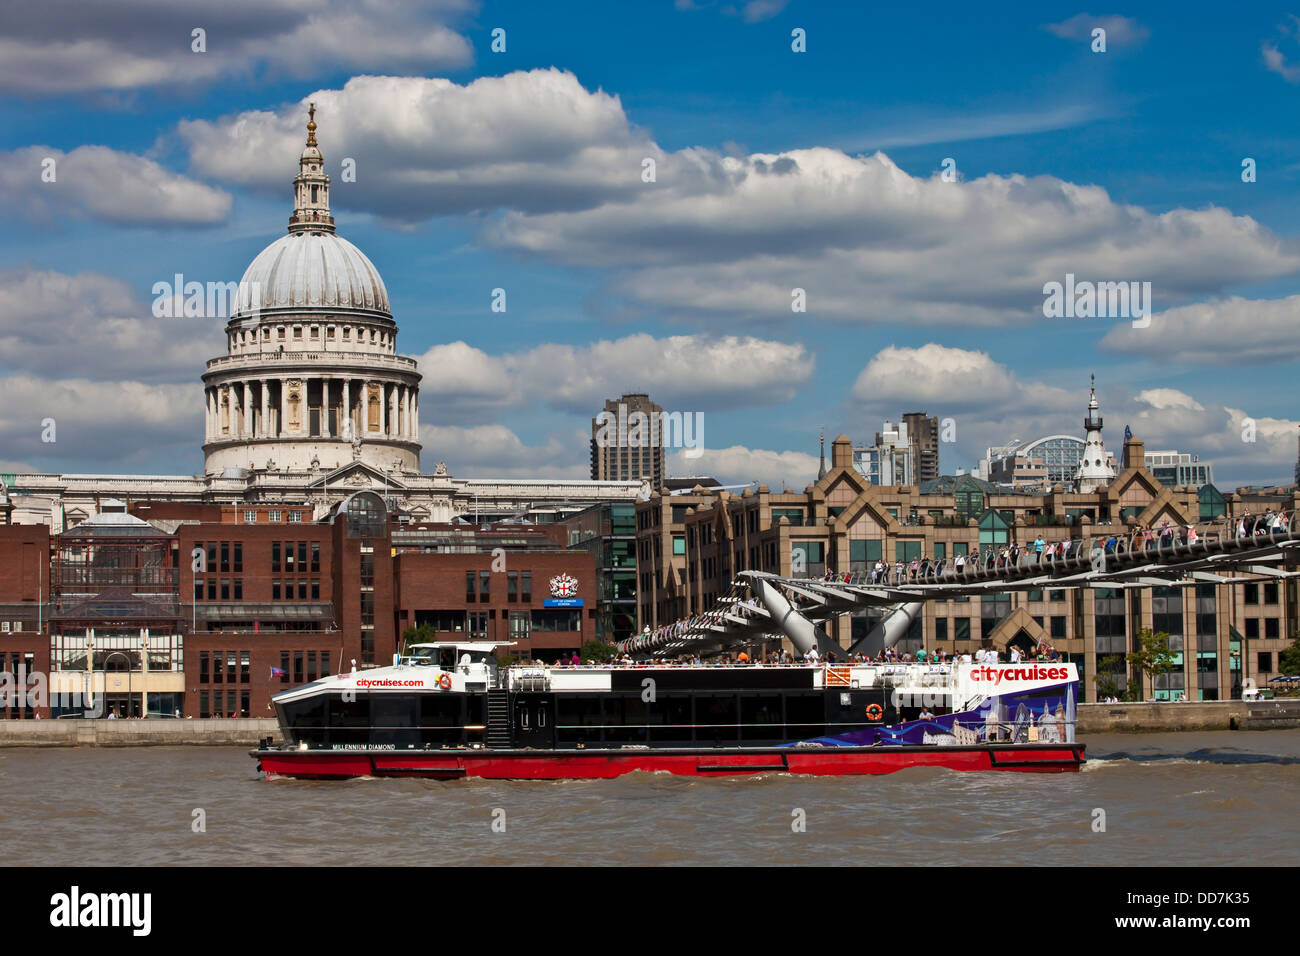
{"x": 296, "y": 407}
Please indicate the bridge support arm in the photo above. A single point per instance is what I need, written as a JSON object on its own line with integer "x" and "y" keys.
{"x": 892, "y": 629}
{"x": 801, "y": 631}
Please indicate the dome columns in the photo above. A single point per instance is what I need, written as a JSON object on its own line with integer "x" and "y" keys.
{"x": 334, "y": 406}
{"x": 264, "y": 431}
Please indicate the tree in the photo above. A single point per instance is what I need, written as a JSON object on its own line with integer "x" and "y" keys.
{"x": 1153, "y": 656}
{"x": 596, "y": 651}
{"x": 424, "y": 634}
{"x": 1107, "y": 681}
{"x": 1288, "y": 661}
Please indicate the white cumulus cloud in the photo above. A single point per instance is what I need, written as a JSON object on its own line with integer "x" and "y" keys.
{"x": 738, "y": 465}
{"x": 533, "y": 140}
{"x": 681, "y": 373}
{"x": 52, "y": 323}
{"x": 1231, "y": 331}
{"x": 1120, "y": 31}
{"x": 95, "y": 182}
{"x": 67, "y": 46}
{"x": 990, "y": 404}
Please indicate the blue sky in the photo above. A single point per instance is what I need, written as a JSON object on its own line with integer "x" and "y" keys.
{"x": 775, "y": 170}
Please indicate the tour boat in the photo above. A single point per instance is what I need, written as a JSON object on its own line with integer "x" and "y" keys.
{"x": 448, "y": 711}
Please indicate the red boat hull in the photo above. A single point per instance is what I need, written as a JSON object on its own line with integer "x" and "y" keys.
{"x": 605, "y": 764}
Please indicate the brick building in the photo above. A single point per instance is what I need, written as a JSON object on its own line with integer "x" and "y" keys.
{"x": 210, "y": 610}
{"x": 691, "y": 545}
{"x": 499, "y": 582}
{"x": 24, "y": 589}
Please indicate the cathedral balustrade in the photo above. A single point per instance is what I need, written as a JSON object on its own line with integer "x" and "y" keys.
{"x": 255, "y": 360}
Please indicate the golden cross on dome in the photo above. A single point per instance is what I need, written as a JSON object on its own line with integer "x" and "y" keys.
{"x": 311, "y": 125}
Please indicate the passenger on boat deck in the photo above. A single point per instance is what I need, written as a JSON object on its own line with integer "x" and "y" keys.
{"x": 925, "y": 714}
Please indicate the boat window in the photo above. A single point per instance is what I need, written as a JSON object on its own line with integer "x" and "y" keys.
{"x": 305, "y": 719}
{"x": 442, "y": 718}
{"x": 350, "y": 720}
{"x": 393, "y": 720}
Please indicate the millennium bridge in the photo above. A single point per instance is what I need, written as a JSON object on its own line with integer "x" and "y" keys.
{"x": 760, "y": 605}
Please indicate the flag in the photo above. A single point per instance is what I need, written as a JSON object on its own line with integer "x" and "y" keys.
{"x": 1128, "y": 433}
{"x": 279, "y": 672}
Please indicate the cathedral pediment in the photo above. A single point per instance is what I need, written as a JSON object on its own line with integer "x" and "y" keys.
{"x": 357, "y": 475}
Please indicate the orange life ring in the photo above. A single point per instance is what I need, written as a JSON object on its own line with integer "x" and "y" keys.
{"x": 445, "y": 682}
{"x": 875, "y": 712}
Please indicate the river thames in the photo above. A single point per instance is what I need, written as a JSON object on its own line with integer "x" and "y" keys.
{"x": 1169, "y": 799}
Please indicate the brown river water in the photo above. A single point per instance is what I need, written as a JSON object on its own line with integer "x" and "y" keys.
{"x": 1169, "y": 799}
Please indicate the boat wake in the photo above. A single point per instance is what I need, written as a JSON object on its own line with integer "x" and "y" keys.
{"x": 1204, "y": 756}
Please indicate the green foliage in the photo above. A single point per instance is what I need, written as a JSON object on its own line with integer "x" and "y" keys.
{"x": 1153, "y": 655}
{"x": 424, "y": 634}
{"x": 596, "y": 651}
{"x": 1288, "y": 661}
{"x": 1107, "y": 681}
{"x": 1107, "y": 685}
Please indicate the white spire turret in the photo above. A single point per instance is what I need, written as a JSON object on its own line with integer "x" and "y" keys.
{"x": 311, "y": 187}
{"x": 1095, "y": 470}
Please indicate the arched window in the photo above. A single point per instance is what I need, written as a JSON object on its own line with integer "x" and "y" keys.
{"x": 365, "y": 515}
